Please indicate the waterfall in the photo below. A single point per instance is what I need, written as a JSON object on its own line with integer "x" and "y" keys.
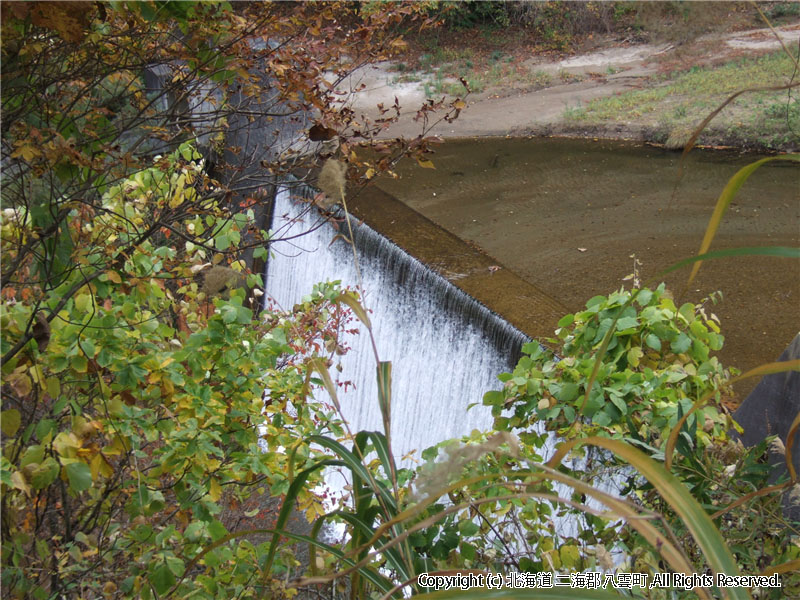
{"x": 446, "y": 348}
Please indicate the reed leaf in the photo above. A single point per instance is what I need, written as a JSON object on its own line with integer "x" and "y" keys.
{"x": 787, "y": 567}
{"x": 770, "y": 489}
{"x": 380, "y": 581}
{"x": 385, "y": 404}
{"x": 699, "y": 129}
{"x": 725, "y": 198}
{"x": 365, "y": 529}
{"x": 319, "y": 365}
{"x": 297, "y": 485}
{"x": 673, "y": 556}
{"x": 777, "y": 251}
{"x": 351, "y": 300}
{"x": 352, "y": 462}
{"x": 789, "y": 445}
{"x": 670, "y": 488}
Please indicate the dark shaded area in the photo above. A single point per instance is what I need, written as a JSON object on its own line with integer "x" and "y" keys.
{"x": 769, "y": 410}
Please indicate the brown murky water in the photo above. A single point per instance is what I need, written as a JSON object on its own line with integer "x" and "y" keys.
{"x": 566, "y": 215}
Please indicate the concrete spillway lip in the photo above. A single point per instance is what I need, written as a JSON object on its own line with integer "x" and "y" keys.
{"x": 498, "y": 288}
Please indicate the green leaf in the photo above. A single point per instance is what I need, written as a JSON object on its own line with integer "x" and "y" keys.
{"x": 162, "y": 578}
{"x": 79, "y": 363}
{"x": 570, "y": 556}
{"x": 217, "y": 530}
{"x": 627, "y": 323}
{"x": 222, "y": 242}
{"x": 653, "y": 342}
{"x": 88, "y": 347}
{"x": 175, "y": 565}
{"x": 45, "y": 473}
{"x": 229, "y": 314}
{"x": 53, "y": 387}
{"x": 467, "y": 528}
{"x": 643, "y": 297}
{"x": 492, "y": 398}
{"x": 566, "y": 320}
{"x": 468, "y": 551}
{"x": 619, "y": 403}
{"x": 10, "y": 421}
{"x": 194, "y": 531}
{"x": 568, "y": 392}
{"x": 44, "y": 429}
{"x": 681, "y": 344}
{"x": 243, "y": 315}
{"x": 32, "y": 455}
{"x": 79, "y": 475}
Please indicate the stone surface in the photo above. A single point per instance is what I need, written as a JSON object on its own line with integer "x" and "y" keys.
{"x": 518, "y": 302}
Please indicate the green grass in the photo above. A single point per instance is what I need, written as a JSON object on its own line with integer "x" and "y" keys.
{"x": 501, "y": 73}
{"x": 440, "y": 67}
{"x": 685, "y": 98}
{"x": 569, "y": 77}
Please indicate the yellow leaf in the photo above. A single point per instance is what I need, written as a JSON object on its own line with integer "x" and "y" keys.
{"x": 215, "y": 490}
{"x": 459, "y": 104}
{"x": 100, "y": 466}
{"x": 26, "y": 150}
{"x": 66, "y": 444}
{"x": 113, "y": 276}
{"x": 370, "y": 173}
{"x": 18, "y": 482}
{"x": 399, "y": 44}
{"x": 634, "y": 355}
{"x": 177, "y": 197}
{"x": 425, "y": 164}
{"x": 20, "y": 383}
{"x": 37, "y": 375}
{"x": 83, "y": 302}
{"x": 115, "y": 448}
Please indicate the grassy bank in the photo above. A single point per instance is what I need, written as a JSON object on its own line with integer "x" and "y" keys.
{"x": 441, "y": 69}
{"x": 676, "y": 105}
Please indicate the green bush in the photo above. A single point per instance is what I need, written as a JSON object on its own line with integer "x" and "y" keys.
{"x": 657, "y": 363}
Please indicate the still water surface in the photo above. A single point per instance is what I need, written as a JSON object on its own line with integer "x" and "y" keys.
{"x": 567, "y": 215}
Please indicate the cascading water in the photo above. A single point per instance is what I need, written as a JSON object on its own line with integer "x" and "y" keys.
{"x": 446, "y": 349}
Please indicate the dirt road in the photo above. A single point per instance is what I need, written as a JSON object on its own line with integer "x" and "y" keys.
{"x": 603, "y": 72}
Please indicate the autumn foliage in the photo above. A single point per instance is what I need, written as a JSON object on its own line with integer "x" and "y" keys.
{"x": 139, "y": 144}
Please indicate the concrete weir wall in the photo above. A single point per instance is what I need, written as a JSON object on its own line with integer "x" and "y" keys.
{"x": 518, "y": 302}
